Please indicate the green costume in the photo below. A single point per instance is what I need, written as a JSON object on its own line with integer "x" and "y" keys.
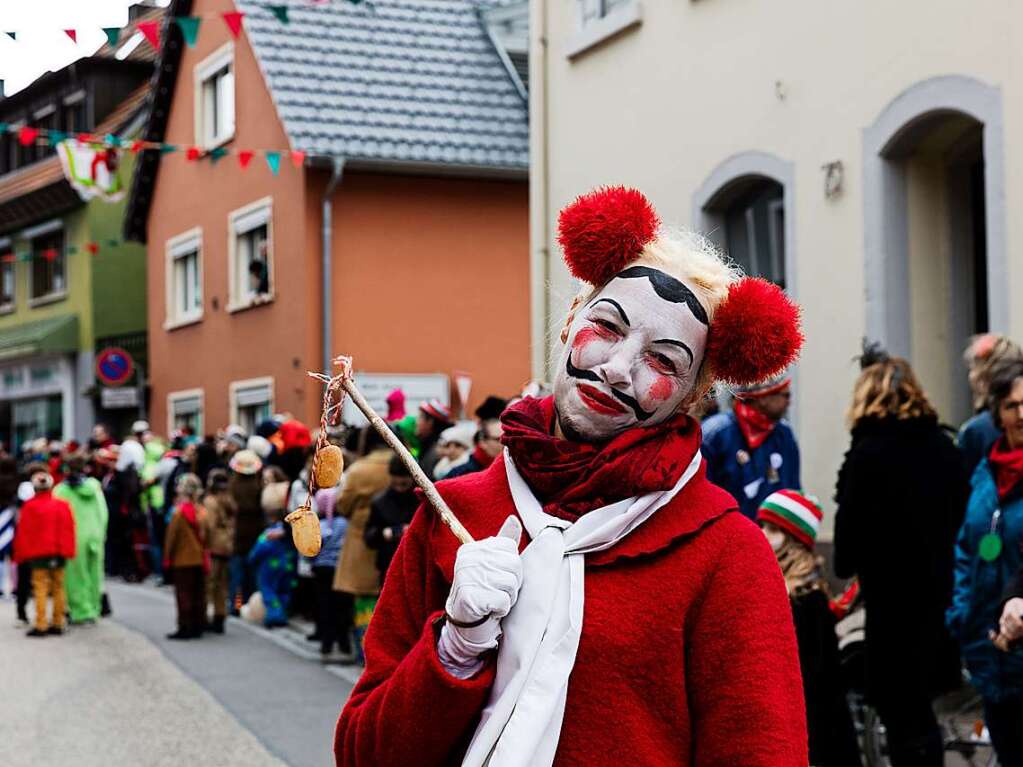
{"x": 152, "y": 497}
{"x": 84, "y": 573}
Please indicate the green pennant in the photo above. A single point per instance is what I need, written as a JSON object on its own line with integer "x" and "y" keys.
{"x": 168, "y": 148}
{"x": 72, "y": 250}
{"x": 189, "y": 26}
{"x": 56, "y": 136}
{"x": 112, "y": 140}
{"x": 273, "y": 161}
{"x": 3, "y": 127}
{"x": 281, "y": 12}
{"x": 112, "y": 243}
{"x": 113, "y": 35}
{"x": 216, "y": 153}
{"x": 12, "y": 35}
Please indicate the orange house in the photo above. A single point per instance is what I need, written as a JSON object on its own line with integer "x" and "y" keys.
{"x": 395, "y": 228}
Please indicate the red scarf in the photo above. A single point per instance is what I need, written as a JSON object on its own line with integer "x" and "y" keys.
{"x": 754, "y": 425}
{"x": 191, "y": 515}
{"x": 571, "y": 478}
{"x": 1007, "y": 467}
{"x": 482, "y": 457}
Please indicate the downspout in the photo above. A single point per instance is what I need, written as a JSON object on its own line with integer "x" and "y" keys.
{"x": 540, "y": 189}
{"x": 337, "y": 169}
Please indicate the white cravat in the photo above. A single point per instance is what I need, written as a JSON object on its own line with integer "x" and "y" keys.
{"x": 521, "y": 723}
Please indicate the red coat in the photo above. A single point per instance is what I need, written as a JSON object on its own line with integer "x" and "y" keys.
{"x": 687, "y": 657}
{"x": 46, "y": 528}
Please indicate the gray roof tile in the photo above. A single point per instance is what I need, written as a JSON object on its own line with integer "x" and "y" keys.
{"x": 393, "y": 81}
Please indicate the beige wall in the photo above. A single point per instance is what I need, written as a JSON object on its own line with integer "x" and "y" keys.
{"x": 662, "y": 104}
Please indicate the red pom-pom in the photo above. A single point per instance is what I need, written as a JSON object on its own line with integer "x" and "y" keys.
{"x": 755, "y": 333}
{"x": 601, "y": 232}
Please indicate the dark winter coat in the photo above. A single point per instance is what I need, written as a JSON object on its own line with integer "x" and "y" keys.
{"x": 979, "y": 586}
{"x": 832, "y": 737}
{"x": 976, "y": 438}
{"x": 774, "y": 465}
{"x": 901, "y": 496}
{"x": 389, "y": 511}
{"x": 247, "y": 492}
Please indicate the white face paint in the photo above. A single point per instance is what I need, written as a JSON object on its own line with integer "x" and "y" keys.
{"x": 632, "y": 356}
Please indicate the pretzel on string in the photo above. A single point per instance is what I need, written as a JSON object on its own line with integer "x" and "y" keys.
{"x": 335, "y": 389}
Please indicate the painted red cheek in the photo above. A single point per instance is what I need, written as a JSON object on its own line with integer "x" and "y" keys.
{"x": 584, "y": 337}
{"x": 662, "y": 389}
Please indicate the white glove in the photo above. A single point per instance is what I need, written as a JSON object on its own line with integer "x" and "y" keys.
{"x": 488, "y": 576}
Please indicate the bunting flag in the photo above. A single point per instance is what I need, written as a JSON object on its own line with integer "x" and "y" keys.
{"x": 281, "y": 12}
{"x": 113, "y": 35}
{"x": 27, "y": 135}
{"x": 93, "y": 246}
{"x": 273, "y": 161}
{"x": 245, "y": 157}
{"x": 216, "y": 153}
{"x": 233, "y": 19}
{"x": 189, "y": 26}
{"x": 297, "y": 158}
{"x": 72, "y": 34}
{"x": 12, "y": 35}
{"x": 151, "y": 31}
{"x": 192, "y": 153}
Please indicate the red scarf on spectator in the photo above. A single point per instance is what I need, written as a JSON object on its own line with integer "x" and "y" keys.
{"x": 1007, "y": 466}
{"x": 754, "y": 425}
{"x": 191, "y": 515}
{"x": 481, "y": 457}
{"x": 571, "y": 478}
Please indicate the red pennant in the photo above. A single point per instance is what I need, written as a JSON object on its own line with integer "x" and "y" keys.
{"x": 50, "y": 254}
{"x": 151, "y": 31}
{"x": 92, "y": 247}
{"x": 233, "y": 19}
{"x": 8, "y": 257}
{"x": 192, "y": 153}
{"x": 27, "y": 135}
{"x": 86, "y": 138}
{"x": 245, "y": 157}
{"x": 72, "y": 34}
{"x": 137, "y": 146}
{"x": 297, "y": 158}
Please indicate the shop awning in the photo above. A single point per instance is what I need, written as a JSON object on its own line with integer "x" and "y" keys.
{"x": 52, "y": 336}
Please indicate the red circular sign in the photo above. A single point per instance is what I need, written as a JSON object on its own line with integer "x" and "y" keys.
{"x": 114, "y": 366}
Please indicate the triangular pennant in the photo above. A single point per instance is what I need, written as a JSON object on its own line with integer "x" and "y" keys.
{"x": 50, "y": 254}
{"x": 192, "y": 153}
{"x": 86, "y": 138}
{"x": 27, "y": 135}
{"x": 12, "y": 35}
{"x": 8, "y": 257}
{"x": 233, "y": 19}
{"x": 3, "y": 127}
{"x": 112, "y": 140}
{"x": 297, "y": 158}
{"x": 216, "y": 153}
{"x": 72, "y": 34}
{"x": 273, "y": 161}
{"x": 113, "y": 35}
{"x": 281, "y": 12}
{"x": 189, "y": 26}
{"x": 92, "y": 247}
{"x": 245, "y": 157}
{"x": 113, "y": 243}
{"x": 71, "y": 250}
{"x": 168, "y": 148}
{"x": 151, "y": 31}
{"x": 137, "y": 146}
{"x": 56, "y": 136}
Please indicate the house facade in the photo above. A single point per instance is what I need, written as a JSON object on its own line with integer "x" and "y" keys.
{"x": 394, "y": 230}
{"x": 70, "y": 288}
{"x": 857, "y": 157}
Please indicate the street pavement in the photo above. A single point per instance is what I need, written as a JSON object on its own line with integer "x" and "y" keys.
{"x": 119, "y": 693}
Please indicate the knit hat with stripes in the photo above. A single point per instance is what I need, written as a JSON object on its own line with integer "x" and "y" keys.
{"x": 793, "y": 512}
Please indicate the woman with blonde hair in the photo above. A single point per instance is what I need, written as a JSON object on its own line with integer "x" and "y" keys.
{"x": 901, "y": 494}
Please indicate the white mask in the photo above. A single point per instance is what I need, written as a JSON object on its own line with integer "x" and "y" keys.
{"x": 632, "y": 355}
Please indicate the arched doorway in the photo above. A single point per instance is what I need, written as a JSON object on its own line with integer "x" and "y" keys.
{"x": 933, "y": 231}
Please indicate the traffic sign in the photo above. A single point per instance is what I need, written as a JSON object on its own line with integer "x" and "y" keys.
{"x": 114, "y": 366}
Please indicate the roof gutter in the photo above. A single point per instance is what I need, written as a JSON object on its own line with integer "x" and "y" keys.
{"x": 337, "y": 171}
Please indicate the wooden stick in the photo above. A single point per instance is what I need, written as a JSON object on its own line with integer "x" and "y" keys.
{"x": 447, "y": 516}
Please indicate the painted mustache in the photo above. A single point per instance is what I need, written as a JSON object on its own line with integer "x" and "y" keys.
{"x": 625, "y": 399}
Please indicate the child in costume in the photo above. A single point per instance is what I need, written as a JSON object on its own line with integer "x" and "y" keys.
{"x": 273, "y": 558}
{"x": 186, "y": 557}
{"x": 84, "y": 574}
{"x": 637, "y": 578}
{"x": 45, "y": 540}
{"x": 790, "y": 522}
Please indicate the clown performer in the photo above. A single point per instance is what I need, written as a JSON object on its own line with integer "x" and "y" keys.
{"x": 641, "y": 619}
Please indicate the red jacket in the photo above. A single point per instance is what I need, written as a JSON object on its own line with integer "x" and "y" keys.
{"x": 46, "y": 528}
{"x": 687, "y": 657}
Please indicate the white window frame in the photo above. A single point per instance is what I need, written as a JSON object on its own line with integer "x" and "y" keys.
{"x": 239, "y": 222}
{"x": 175, "y": 248}
{"x": 249, "y": 383}
{"x": 185, "y": 394}
{"x": 31, "y": 233}
{"x": 5, "y": 243}
{"x": 204, "y": 71}
{"x": 596, "y": 31}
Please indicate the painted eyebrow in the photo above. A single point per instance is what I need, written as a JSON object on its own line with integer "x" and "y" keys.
{"x": 679, "y": 344}
{"x": 616, "y": 305}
